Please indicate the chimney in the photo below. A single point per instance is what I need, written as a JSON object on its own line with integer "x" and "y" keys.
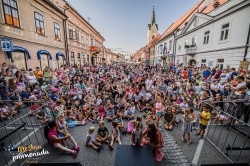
{"x": 216, "y": 3}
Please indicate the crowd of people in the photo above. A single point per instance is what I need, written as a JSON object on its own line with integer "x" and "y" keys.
{"x": 115, "y": 93}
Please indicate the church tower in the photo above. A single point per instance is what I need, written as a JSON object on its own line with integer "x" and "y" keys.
{"x": 152, "y": 28}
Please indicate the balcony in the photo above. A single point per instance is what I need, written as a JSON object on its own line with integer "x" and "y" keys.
{"x": 94, "y": 50}
{"x": 191, "y": 49}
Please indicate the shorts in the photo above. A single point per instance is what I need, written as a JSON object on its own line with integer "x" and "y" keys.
{"x": 203, "y": 126}
{"x": 158, "y": 113}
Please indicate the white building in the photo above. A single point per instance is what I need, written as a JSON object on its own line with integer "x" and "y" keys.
{"x": 168, "y": 37}
{"x": 216, "y": 36}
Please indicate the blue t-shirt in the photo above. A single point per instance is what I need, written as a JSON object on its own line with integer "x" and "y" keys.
{"x": 54, "y": 98}
{"x": 206, "y": 73}
{"x": 25, "y": 95}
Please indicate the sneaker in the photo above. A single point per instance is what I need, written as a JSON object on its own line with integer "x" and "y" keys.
{"x": 74, "y": 154}
{"x": 196, "y": 134}
{"x": 189, "y": 142}
{"x": 110, "y": 147}
{"x": 107, "y": 142}
{"x": 76, "y": 148}
{"x": 98, "y": 149}
{"x": 200, "y": 137}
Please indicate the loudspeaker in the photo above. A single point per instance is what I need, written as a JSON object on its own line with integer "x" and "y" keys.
{"x": 56, "y": 164}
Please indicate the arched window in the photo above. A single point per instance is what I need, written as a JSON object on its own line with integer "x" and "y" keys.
{"x": 153, "y": 37}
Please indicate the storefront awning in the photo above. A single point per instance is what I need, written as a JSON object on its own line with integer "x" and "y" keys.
{"x": 18, "y": 48}
{"x": 60, "y": 54}
{"x": 43, "y": 52}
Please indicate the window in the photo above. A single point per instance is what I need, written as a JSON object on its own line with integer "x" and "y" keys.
{"x": 91, "y": 42}
{"x": 206, "y": 37}
{"x": 78, "y": 55}
{"x": 70, "y": 32}
{"x": 57, "y": 31}
{"x": 220, "y": 60}
{"x": 179, "y": 46}
{"x": 87, "y": 40}
{"x": 224, "y": 32}
{"x": 170, "y": 45}
{"x": 186, "y": 42}
{"x": 11, "y": 12}
{"x": 39, "y": 24}
{"x": 194, "y": 40}
{"x": 72, "y": 58}
{"x": 203, "y": 61}
{"x": 83, "y": 39}
{"x": 77, "y": 36}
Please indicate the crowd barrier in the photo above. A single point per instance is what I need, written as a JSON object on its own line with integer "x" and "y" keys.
{"x": 230, "y": 135}
{"x": 22, "y": 134}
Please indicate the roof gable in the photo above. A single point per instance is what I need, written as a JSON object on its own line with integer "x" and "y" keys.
{"x": 181, "y": 20}
{"x": 196, "y": 20}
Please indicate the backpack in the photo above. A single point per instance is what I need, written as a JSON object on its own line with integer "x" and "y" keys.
{"x": 131, "y": 126}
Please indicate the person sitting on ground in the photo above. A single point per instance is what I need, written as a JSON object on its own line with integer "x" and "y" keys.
{"x": 110, "y": 114}
{"x": 103, "y": 133}
{"x": 147, "y": 110}
{"x": 169, "y": 119}
{"x": 71, "y": 120}
{"x": 90, "y": 141}
{"x": 153, "y": 138}
{"x": 51, "y": 134}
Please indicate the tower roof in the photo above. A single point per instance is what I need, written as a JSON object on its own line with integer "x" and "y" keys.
{"x": 153, "y": 20}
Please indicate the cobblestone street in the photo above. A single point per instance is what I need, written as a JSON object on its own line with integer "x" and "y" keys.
{"x": 172, "y": 151}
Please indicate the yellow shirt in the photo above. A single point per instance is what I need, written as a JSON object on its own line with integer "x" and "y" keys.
{"x": 206, "y": 115}
{"x": 38, "y": 74}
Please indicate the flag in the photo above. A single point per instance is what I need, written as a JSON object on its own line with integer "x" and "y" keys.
{"x": 164, "y": 50}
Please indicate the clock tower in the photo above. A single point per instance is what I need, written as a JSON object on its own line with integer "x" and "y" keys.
{"x": 152, "y": 28}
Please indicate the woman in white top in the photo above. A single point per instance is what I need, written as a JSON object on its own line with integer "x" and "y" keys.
{"x": 214, "y": 87}
{"x": 32, "y": 80}
{"x": 224, "y": 76}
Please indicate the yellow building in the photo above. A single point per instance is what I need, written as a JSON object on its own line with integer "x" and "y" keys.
{"x": 36, "y": 30}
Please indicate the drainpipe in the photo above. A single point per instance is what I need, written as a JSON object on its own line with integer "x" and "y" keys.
{"x": 246, "y": 47}
{"x": 174, "y": 47}
{"x": 66, "y": 38}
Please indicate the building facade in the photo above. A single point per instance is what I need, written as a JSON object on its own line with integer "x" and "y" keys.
{"x": 85, "y": 43}
{"x": 36, "y": 31}
{"x": 217, "y": 36}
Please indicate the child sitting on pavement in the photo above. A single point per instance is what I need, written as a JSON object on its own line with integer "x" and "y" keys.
{"x": 169, "y": 119}
{"x": 90, "y": 141}
{"x": 103, "y": 133}
{"x": 110, "y": 114}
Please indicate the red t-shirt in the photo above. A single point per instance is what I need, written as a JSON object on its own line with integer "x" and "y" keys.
{"x": 34, "y": 107}
{"x": 185, "y": 74}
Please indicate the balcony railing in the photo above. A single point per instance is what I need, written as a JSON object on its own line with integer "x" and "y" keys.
{"x": 191, "y": 50}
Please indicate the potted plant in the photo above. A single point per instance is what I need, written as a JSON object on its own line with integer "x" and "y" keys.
{"x": 186, "y": 46}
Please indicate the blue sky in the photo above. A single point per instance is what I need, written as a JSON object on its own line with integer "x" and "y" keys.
{"x": 123, "y": 23}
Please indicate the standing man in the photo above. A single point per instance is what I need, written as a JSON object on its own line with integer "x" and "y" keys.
{"x": 39, "y": 76}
